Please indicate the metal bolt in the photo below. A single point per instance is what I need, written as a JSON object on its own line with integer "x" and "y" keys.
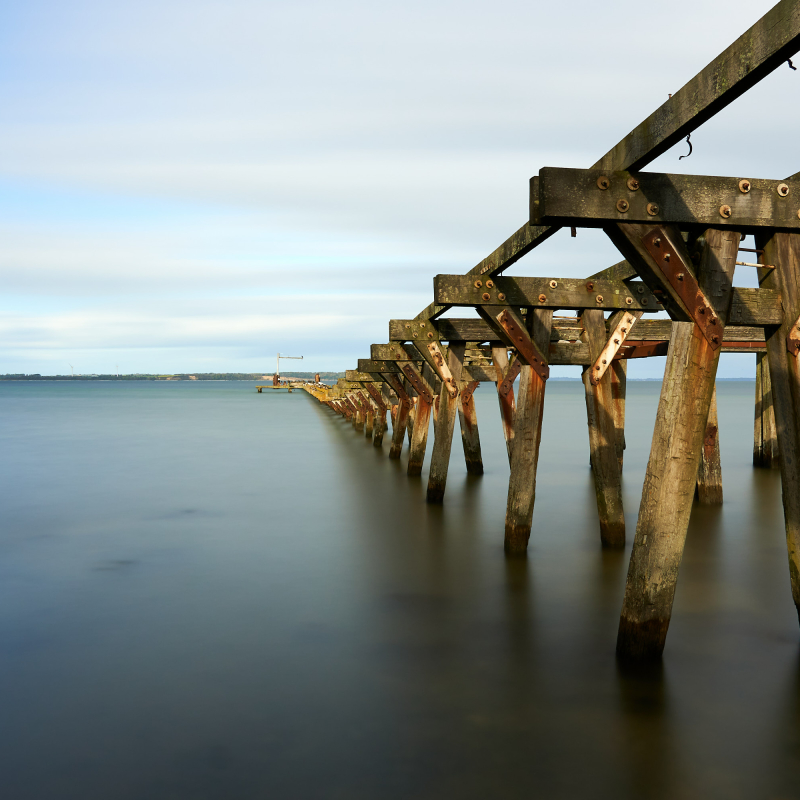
{"x": 542, "y": 298}
{"x": 666, "y": 256}
{"x": 501, "y": 297}
{"x": 702, "y": 311}
{"x": 486, "y": 297}
{"x": 597, "y": 367}
{"x": 644, "y": 301}
{"x": 422, "y": 324}
{"x": 605, "y": 362}
{"x": 629, "y": 300}
{"x": 616, "y": 341}
{"x": 622, "y": 205}
{"x": 599, "y": 298}
{"x": 407, "y": 325}
{"x": 489, "y": 284}
{"x": 652, "y": 209}
{"x": 657, "y": 241}
{"x": 553, "y": 284}
{"x": 478, "y": 284}
{"x": 679, "y": 276}
{"x": 624, "y": 330}
{"x": 744, "y": 186}
{"x": 715, "y": 339}
{"x": 430, "y": 335}
{"x": 603, "y": 182}
{"x": 633, "y": 184}
{"x": 589, "y": 286}
{"x": 725, "y": 211}
{"x": 783, "y": 189}
{"x": 640, "y": 289}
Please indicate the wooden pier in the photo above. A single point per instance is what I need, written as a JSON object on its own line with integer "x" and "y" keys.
{"x": 681, "y": 237}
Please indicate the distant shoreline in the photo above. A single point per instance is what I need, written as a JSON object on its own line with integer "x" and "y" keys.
{"x": 194, "y": 376}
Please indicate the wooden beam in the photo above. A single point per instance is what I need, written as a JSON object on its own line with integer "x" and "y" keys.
{"x": 765, "y": 436}
{"x": 505, "y": 396}
{"x": 619, "y": 388}
{"x": 594, "y": 198}
{"x": 564, "y": 293}
{"x": 709, "y": 473}
{"x": 470, "y": 437}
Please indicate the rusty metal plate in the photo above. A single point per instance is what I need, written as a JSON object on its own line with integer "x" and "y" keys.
{"x": 523, "y": 344}
{"x": 376, "y": 396}
{"x": 468, "y": 390}
{"x": 642, "y": 349}
{"x": 612, "y": 346}
{"x": 673, "y": 268}
{"x": 507, "y": 384}
{"x": 793, "y": 339}
{"x": 443, "y": 369}
{"x": 415, "y": 380}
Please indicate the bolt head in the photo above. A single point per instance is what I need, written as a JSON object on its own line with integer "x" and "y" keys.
{"x": 783, "y": 189}
{"x": 744, "y": 186}
{"x": 542, "y": 298}
{"x": 652, "y": 209}
{"x": 590, "y": 286}
{"x": 501, "y": 297}
{"x": 629, "y": 300}
{"x": 623, "y": 205}
{"x": 489, "y": 284}
{"x": 603, "y": 182}
{"x": 633, "y": 184}
{"x": 478, "y": 284}
{"x": 599, "y": 298}
{"x": 553, "y": 284}
{"x": 486, "y": 297}
{"x": 725, "y": 211}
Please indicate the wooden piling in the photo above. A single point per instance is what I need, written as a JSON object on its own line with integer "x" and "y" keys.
{"x": 369, "y": 419}
{"x": 419, "y": 436}
{"x": 445, "y": 423}
{"x": 783, "y": 251}
{"x": 619, "y": 388}
{"x": 709, "y": 473}
{"x": 527, "y": 436}
{"x": 470, "y": 438}
{"x": 603, "y": 437}
{"x": 505, "y": 396}
{"x": 765, "y": 435}
{"x": 671, "y": 475}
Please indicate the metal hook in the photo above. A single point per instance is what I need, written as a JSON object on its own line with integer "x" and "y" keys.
{"x": 792, "y": 66}
{"x": 689, "y": 142}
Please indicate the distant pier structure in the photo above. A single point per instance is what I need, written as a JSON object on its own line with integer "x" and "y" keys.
{"x": 681, "y": 238}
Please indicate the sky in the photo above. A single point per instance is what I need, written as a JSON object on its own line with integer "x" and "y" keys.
{"x": 196, "y": 186}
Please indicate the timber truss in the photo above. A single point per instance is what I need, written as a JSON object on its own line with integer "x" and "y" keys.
{"x": 681, "y": 238}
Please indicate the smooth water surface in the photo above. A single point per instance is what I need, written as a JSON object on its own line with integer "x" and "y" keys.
{"x": 207, "y": 592}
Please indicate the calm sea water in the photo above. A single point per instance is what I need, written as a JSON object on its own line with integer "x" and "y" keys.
{"x": 207, "y": 592}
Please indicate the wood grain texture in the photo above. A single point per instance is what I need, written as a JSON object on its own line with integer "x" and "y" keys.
{"x": 783, "y": 250}
{"x": 470, "y": 437}
{"x": 419, "y": 436}
{"x": 527, "y": 437}
{"x": 603, "y": 439}
{"x": 619, "y": 389}
{"x": 765, "y": 436}
{"x": 709, "y": 473}
{"x": 671, "y": 476}
{"x": 505, "y": 398}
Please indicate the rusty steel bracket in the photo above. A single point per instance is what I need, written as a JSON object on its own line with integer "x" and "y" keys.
{"x": 468, "y": 391}
{"x": 398, "y": 387}
{"x": 671, "y": 265}
{"x": 523, "y": 344}
{"x": 511, "y": 373}
{"x": 612, "y": 346}
{"x": 443, "y": 369}
{"x": 376, "y": 396}
{"x": 415, "y": 379}
{"x": 793, "y": 339}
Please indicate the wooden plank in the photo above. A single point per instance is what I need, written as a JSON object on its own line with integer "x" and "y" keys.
{"x": 783, "y": 250}
{"x": 603, "y": 438}
{"x": 470, "y": 436}
{"x": 671, "y": 475}
{"x": 566, "y": 293}
{"x": 575, "y": 197}
{"x": 527, "y": 437}
{"x": 761, "y": 307}
{"x": 709, "y": 473}
{"x": 445, "y": 424}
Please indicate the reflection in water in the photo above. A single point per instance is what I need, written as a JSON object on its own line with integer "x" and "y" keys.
{"x": 209, "y": 593}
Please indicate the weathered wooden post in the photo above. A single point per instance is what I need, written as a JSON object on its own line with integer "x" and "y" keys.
{"x": 470, "y": 438}
{"x": 709, "y": 474}
{"x": 765, "y": 436}
{"x": 619, "y": 388}
{"x": 400, "y": 418}
{"x": 506, "y": 375}
{"x": 422, "y": 414}
{"x": 681, "y": 421}
{"x": 603, "y": 435}
{"x": 445, "y": 421}
{"x": 527, "y": 425}
{"x": 782, "y": 250}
